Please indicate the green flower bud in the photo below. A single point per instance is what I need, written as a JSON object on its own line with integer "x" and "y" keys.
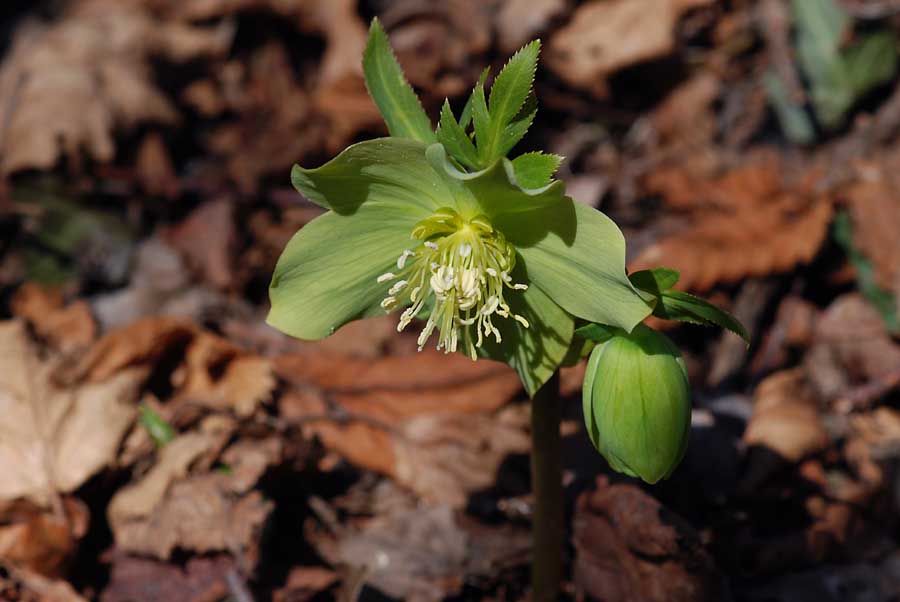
{"x": 637, "y": 405}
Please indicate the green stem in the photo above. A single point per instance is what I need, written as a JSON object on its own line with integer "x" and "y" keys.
{"x": 546, "y": 480}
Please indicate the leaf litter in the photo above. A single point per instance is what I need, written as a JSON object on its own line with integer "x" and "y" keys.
{"x": 159, "y": 441}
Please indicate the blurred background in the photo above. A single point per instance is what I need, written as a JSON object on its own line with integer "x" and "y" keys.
{"x": 159, "y": 442}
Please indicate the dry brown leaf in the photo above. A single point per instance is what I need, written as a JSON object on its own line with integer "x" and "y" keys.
{"x": 42, "y": 540}
{"x": 850, "y": 345}
{"x": 206, "y": 512}
{"x": 874, "y": 204}
{"x": 630, "y": 548}
{"x": 66, "y": 328}
{"x": 206, "y": 238}
{"x": 29, "y": 586}
{"x": 154, "y": 168}
{"x": 67, "y": 86}
{"x": 745, "y": 223}
{"x": 53, "y": 437}
{"x": 429, "y": 420}
{"x": 786, "y": 417}
{"x": 687, "y": 112}
{"x": 304, "y": 583}
{"x": 201, "y": 579}
{"x": 214, "y": 372}
{"x": 608, "y": 35}
{"x": 519, "y": 21}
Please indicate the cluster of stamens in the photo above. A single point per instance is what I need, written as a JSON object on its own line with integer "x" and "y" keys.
{"x": 464, "y": 266}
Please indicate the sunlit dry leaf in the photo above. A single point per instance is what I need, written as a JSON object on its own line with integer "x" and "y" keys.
{"x": 786, "y": 417}
{"x": 39, "y": 539}
{"x": 429, "y": 420}
{"x": 204, "y": 512}
{"x": 65, "y": 327}
{"x": 53, "y": 438}
{"x": 519, "y": 21}
{"x": 746, "y": 209}
{"x": 67, "y": 86}
{"x": 605, "y": 36}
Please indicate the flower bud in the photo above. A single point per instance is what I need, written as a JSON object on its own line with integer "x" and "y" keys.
{"x": 637, "y": 405}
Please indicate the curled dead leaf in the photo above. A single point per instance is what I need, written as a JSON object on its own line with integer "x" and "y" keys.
{"x": 747, "y": 208}
{"x": 605, "y": 36}
{"x": 51, "y": 438}
{"x": 630, "y": 548}
{"x": 65, "y": 327}
{"x": 41, "y": 540}
{"x": 440, "y": 431}
{"x": 786, "y": 417}
{"x": 67, "y": 86}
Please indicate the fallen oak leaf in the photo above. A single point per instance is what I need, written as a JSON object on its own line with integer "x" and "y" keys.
{"x": 65, "y": 327}
{"x": 42, "y": 540}
{"x": 67, "y": 86}
{"x": 207, "y": 512}
{"x": 747, "y": 208}
{"x": 51, "y": 440}
{"x": 439, "y": 431}
{"x": 603, "y": 37}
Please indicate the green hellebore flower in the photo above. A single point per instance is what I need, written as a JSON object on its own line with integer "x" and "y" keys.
{"x": 637, "y": 405}
{"x": 495, "y": 269}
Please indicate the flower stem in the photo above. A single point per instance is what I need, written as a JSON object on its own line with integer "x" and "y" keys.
{"x": 546, "y": 480}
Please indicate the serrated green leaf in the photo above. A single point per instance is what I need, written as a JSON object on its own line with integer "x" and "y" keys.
{"x": 455, "y": 139}
{"x": 160, "y": 431}
{"x": 534, "y": 170}
{"x": 597, "y": 333}
{"x": 518, "y": 127}
{"x": 465, "y": 117}
{"x": 656, "y": 280}
{"x": 512, "y": 86}
{"x": 684, "y": 307}
{"x": 395, "y": 98}
{"x": 481, "y": 118}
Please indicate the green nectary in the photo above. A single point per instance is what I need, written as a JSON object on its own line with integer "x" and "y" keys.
{"x": 637, "y": 406}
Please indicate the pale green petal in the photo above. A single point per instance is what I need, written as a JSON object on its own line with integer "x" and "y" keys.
{"x": 393, "y": 168}
{"x": 537, "y": 351}
{"x": 571, "y": 251}
{"x": 327, "y": 274}
{"x": 577, "y": 256}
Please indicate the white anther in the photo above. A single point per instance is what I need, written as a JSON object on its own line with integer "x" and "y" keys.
{"x": 434, "y": 265}
{"x": 490, "y": 306}
{"x": 398, "y": 286}
{"x": 520, "y": 320}
{"x": 386, "y": 276}
{"x": 465, "y": 249}
{"x": 520, "y": 287}
{"x": 388, "y": 302}
{"x": 431, "y": 245}
{"x": 505, "y": 277}
{"x": 491, "y": 271}
{"x": 401, "y": 261}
